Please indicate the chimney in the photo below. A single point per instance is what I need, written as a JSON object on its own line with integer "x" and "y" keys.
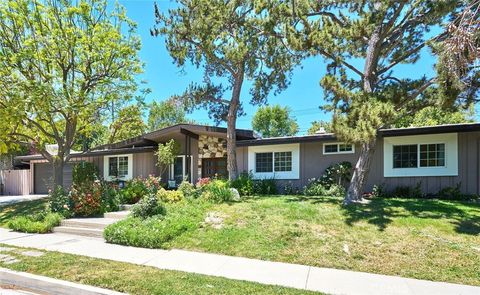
{"x": 321, "y": 131}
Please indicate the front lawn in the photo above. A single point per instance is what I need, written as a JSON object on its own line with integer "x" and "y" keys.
{"x": 7, "y": 212}
{"x": 424, "y": 239}
{"x": 131, "y": 278}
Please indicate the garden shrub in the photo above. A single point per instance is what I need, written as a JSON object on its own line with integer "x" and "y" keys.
{"x": 110, "y": 197}
{"x": 188, "y": 190}
{"x": 244, "y": 184}
{"x": 84, "y": 172}
{"x": 315, "y": 187}
{"x": 38, "y": 223}
{"x": 201, "y": 182}
{"x": 157, "y": 231}
{"x": 153, "y": 183}
{"x": 339, "y": 174}
{"x": 170, "y": 196}
{"x": 290, "y": 189}
{"x": 266, "y": 186}
{"x": 60, "y": 202}
{"x": 87, "y": 199}
{"x": 217, "y": 191}
{"x": 133, "y": 191}
{"x": 148, "y": 206}
{"x": 407, "y": 192}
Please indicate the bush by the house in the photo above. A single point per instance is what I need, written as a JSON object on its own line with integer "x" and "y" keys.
{"x": 170, "y": 196}
{"x": 153, "y": 183}
{"x": 133, "y": 191}
{"x": 340, "y": 174}
{"x": 201, "y": 182}
{"x": 244, "y": 184}
{"x": 110, "y": 197}
{"x": 60, "y": 202}
{"x": 266, "y": 186}
{"x": 404, "y": 191}
{"x": 84, "y": 172}
{"x": 157, "y": 231}
{"x": 315, "y": 187}
{"x": 217, "y": 191}
{"x": 39, "y": 223}
{"x": 87, "y": 199}
{"x": 290, "y": 189}
{"x": 148, "y": 206}
{"x": 188, "y": 190}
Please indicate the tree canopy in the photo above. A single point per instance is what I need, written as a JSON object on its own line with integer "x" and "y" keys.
{"x": 274, "y": 121}
{"x": 165, "y": 113}
{"x": 128, "y": 124}
{"x": 364, "y": 43}
{"x": 232, "y": 41}
{"x": 61, "y": 63}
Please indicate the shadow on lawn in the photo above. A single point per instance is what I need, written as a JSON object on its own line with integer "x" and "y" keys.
{"x": 7, "y": 212}
{"x": 464, "y": 215}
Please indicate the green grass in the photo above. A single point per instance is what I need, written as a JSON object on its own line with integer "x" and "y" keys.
{"x": 424, "y": 239}
{"x": 7, "y": 212}
{"x": 35, "y": 223}
{"x": 134, "y": 279}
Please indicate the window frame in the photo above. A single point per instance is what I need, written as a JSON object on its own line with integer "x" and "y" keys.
{"x": 418, "y": 156}
{"x": 273, "y": 162}
{"x": 338, "y": 152}
{"x": 106, "y": 167}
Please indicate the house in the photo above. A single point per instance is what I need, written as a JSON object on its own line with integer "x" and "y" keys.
{"x": 435, "y": 157}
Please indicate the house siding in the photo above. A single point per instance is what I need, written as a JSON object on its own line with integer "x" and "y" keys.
{"x": 313, "y": 163}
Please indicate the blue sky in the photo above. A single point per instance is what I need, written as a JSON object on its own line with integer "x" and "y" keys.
{"x": 304, "y": 95}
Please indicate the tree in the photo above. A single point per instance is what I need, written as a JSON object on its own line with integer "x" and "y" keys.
{"x": 317, "y": 125}
{"x": 165, "y": 113}
{"x": 128, "y": 124}
{"x": 364, "y": 43}
{"x": 232, "y": 41}
{"x": 166, "y": 155}
{"x": 60, "y": 64}
{"x": 274, "y": 121}
{"x": 431, "y": 116}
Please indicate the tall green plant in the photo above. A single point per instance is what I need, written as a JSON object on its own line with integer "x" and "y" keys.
{"x": 166, "y": 155}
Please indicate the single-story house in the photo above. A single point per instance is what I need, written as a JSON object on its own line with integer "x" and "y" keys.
{"x": 437, "y": 157}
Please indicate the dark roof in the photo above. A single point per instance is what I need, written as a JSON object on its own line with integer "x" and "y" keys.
{"x": 447, "y": 128}
{"x": 95, "y": 153}
{"x": 287, "y": 139}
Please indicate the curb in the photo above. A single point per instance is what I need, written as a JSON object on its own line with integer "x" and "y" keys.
{"x": 49, "y": 285}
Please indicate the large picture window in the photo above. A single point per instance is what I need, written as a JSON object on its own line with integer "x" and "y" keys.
{"x": 419, "y": 155}
{"x": 273, "y": 161}
{"x": 118, "y": 167}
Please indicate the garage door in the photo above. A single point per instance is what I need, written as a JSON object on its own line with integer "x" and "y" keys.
{"x": 43, "y": 178}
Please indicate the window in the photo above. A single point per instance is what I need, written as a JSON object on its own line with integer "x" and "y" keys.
{"x": 274, "y": 161}
{"x": 405, "y": 156}
{"x": 118, "y": 167}
{"x": 283, "y": 161}
{"x": 432, "y": 155}
{"x": 338, "y": 148}
{"x": 263, "y": 162}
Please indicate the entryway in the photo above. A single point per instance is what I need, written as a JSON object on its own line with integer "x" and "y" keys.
{"x": 214, "y": 167}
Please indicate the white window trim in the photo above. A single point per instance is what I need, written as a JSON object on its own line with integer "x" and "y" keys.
{"x": 106, "y": 173}
{"x": 338, "y": 148}
{"x": 170, "y": 172}
{"x": 293, "y": 148}
{"x": 451, "y": 155}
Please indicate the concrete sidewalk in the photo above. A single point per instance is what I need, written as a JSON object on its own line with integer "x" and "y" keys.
{"x": 330, "y": 281}
{"x": 8, "y": 200}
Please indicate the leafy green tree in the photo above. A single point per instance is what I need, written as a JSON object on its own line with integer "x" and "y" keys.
{"x": 60, "y": 64}
{"x": 274, "y": 121}
{"x": 316, "y": 125}
{"x": 165, "y": 113}
{"x": 431, "y": 116}
{"x": 364, "y": 43}
{"x": 166, "y": 155}
{"x": 231, "y": 41}
{"x": 128, "y": 124}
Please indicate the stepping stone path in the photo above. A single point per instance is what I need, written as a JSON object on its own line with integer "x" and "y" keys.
{"x": 91, "y": 227}
{"x": 7, "y": 259}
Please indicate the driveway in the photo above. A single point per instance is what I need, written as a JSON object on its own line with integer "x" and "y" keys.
{"x": 7, "y": 200}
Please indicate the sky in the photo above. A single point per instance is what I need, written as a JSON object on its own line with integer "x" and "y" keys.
{"x": 304, "y": 96}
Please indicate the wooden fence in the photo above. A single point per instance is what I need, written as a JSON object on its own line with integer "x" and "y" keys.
{"x": 15, "y": 182}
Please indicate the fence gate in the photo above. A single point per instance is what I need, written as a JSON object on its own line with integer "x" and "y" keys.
{"x": 15, "y": 182}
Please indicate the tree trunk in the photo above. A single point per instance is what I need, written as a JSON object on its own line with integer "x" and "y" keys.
{"x": 231, "y": 127}
{"x": 360, "y": 174}
{"x": 58, "y": 164}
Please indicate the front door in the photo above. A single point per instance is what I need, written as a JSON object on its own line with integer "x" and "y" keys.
{"x": 214, "y": 167}
{"x": 180, "y": 170}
